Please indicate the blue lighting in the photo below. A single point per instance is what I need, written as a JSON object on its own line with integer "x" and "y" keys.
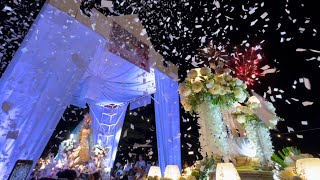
{"x": 167, "y": 121}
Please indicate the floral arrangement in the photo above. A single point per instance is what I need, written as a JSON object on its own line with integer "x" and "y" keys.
{"x": 218, "y": 89}
{"x": 99, "y": 150}
{"x": 246, "y": 113}
{"x": 67, "y": 145}
{"x": 286, "y": 162}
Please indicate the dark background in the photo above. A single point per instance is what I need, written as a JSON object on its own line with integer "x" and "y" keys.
{"x": 178, "y": 37}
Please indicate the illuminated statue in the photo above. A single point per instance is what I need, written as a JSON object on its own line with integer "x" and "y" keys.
{"x": 80, "y": 155}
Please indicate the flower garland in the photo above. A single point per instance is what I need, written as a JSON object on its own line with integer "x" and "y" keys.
{"x": 218, "y": 89}
{"x": 214, "y": 138}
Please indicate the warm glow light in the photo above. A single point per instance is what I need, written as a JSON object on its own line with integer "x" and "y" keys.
{"x": 172, "y": 172}
{"x": 226, "y": 171}
{"x": 154, "y": 171}
{"x": 308, "y": 168}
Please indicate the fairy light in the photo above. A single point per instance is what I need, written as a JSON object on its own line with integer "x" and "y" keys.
{"x": 289, "y": 139}
{"x": 278, "y": 135}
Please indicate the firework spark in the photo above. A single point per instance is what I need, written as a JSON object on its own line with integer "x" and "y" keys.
{"x": 246, "y": 66}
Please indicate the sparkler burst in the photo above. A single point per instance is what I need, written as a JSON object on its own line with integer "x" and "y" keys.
{"x": 246, "y": 66}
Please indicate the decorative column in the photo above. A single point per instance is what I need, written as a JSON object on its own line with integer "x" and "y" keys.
{"x": 39, "y": 82}
{"x": 167, "y": 121}
{"x": 106, "y": 130}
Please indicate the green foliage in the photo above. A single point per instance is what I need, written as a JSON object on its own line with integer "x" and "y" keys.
{"x": 209, "y": 164}
{"x": 282, "y": 154}
{"x": 196, "y": 173}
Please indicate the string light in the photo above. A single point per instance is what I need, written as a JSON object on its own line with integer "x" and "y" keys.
{"x": 279, "y": 135}
{"x": 289, "y": 139}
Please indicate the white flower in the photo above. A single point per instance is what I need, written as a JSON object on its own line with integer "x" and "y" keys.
{"x": 192, "y": 74}
{"x": 238, "y": 82}
{"x": 220, "y": 79}
{"x": 253, "y": 99}
{"x": 215, "y": 89}
{"x": 184, "y": 90}
{"x": 253, "y": 102}
{"x": 239, "y": 94}
{"x": 222, "y": 92}
{"x": 197, "y": 86}
{"x": 204, "y": 71}
{"x": 241, "y": 119}
{"x": 187, "y": 106}
{"x": 228, "y": 77}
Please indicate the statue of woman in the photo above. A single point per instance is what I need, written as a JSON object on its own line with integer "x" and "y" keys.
{"x": 80, "y": 156}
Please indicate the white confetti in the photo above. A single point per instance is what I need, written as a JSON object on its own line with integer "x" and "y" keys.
{"x": 301, "y": 29}
{"x": 265, "y": 67}
{"x": 295, "y": 99}
{"x": 307, "y": 83}
{"x": 305, "y": 123}
{"x": 93, "y": 26}
{"x": 300, "y": 50}
{"x": 316, "y": 51}
{"x": 253, "y": 22}
{"x": 7, "y": 8}
{"x": 125, "y": 133}
{"x": 307, "y": 103}
{"x": 143, "y": 32}
{"x": 188, "y": 57}
{"x": 290, "y": 129}
{"x": 253, "y": 10}
{"x": 264, "y": 15}
{"x": 279, "y": 96}
{"x": 312, "y": 58}
{"x": 268, "y": 71}
{"x": 198, "y": 26}
{"x": 105, "y": 3}
{"x": 272, "y": 99}
{"x": 217, "y": 4}
{"x": 300, "y": 80}
{"x": 300, "y": 136}
{"x": 131, "y": 126}
{"x": 287, "y": 101}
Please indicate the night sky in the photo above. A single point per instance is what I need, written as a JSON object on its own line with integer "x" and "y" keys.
{"x": 178, "y": 29}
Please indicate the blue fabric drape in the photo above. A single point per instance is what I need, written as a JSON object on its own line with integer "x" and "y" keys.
{"x": 39, "y": 83}
{"x": 167, "y": 121}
